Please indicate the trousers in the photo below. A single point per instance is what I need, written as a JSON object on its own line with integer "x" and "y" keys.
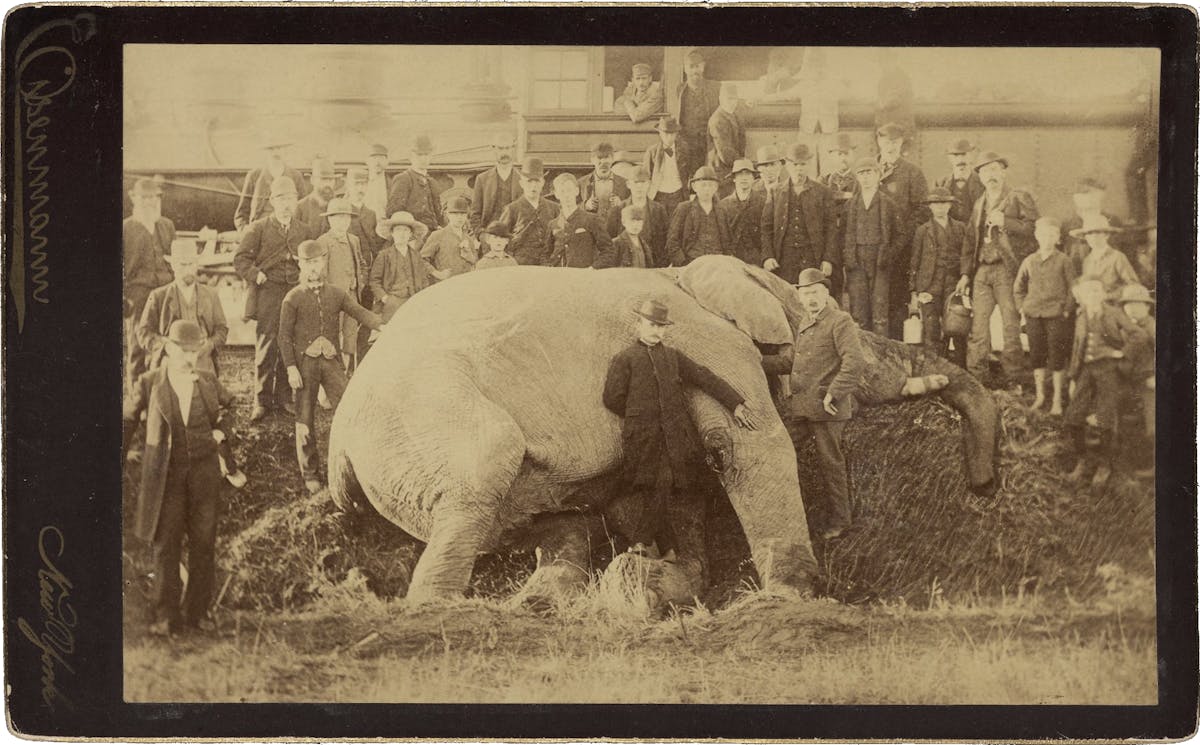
{"x": 869, "y": 288}
{"x": 316, "y": 372}
{"x": 831, "y": 462}
{"x": 1049, "y": 341}
{"x": 993, "y": 288}
{"x": 190, "y": 506}
{"x": 270, "y": 385}
{"x": 1097, "y": 391}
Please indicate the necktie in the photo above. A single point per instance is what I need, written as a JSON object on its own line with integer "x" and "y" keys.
{"x": 669, "y": 151}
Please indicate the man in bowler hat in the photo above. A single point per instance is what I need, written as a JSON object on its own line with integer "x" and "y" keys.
{"x": 188, "y": 299}
{"x": 528, "y": 217}
{"x": 146, "y": 237}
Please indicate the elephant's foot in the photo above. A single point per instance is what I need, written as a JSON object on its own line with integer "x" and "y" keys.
{"x": 919, "y": 386}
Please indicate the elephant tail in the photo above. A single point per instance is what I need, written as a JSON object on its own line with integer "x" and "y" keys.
{"x": 347, "y": 493}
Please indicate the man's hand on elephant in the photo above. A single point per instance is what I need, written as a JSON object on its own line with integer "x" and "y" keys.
{"x": 301, "y": 434}
{"x": 963, "y": 282}
{"x": 826, "y": 268}
{"x": 828, "y": 405}
{"x": 744, "y": 418}
{"x": 294, "y": 378}
{"x": 770, "y": 265}
{"x": 924, "y": 298}
{"x": 260, "y": 278}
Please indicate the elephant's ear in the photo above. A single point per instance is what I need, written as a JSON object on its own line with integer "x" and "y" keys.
{"x": 752, "y": 298}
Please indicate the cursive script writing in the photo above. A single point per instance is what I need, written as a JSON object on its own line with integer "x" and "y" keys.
{"x": 56, "y": 639}
{"x": 55, "y": 73}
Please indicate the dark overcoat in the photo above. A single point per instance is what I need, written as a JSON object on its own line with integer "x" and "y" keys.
{"x": 255, "y": 200}
{"x": 890, "y": 231}
{"x": 936, "y": 257}
{"x": 491, "y": 196}
{"x": 532, "y": 241}
{"x": 164, "y": 307}
{"x": 1015, "y": 240}
{"x": 654, "y": 231}
{"x": 820, "y": 222}
{"x": 745, "y": 224}
{"x": 684, "y": 234}
{"x": 645, "y": 386}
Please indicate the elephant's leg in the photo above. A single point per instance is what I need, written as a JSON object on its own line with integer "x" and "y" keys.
{"x": 564, "y": 543}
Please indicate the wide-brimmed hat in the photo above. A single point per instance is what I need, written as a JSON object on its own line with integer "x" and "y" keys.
{"x": 186, "y": 334}
{"x": 842, "y": 144}
{"x": 422, "y": 145}
{"x": 338, "y": 206}
{"x": 146, "y": 187}
{"x": 703, "y": 173}
{"x": 1135, "y": 294}
{"x": 183, "y": 249}
{"x": 404, "y": 218}
{"x": 655, "y": 312}
{"x": 991, "y": 157}
{"x": 311, "y": 250}
{"x": 959, "y": 147}
{"x": 641, "y": 174}
{"x": 939, "y": 194}
{"x": 866, "y": 164}
{"x": 811, "y": 277}
{"x": 282, "y": 186}
{"x": 667, "y": 124}
{"x": 459, "y": 204}
{"x": 1095, "y": 224}
{"x": 798, "y": 152}
{"x": 498, "y": 229}
{"x": 602, "y": 149}
{"x": 377, "y": 149}
{"x": 891, "y": 131}
{"x": 532, "y": 168}
{"x": 767, "y": 154}
{"x": 743, "y": 164}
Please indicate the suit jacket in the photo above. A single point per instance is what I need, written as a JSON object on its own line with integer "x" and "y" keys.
{"x": 363, "y": 224}
{"x": 890, "y": 232}
{"x": 444, "y": 249}
{"x": 151, "y": 396}
{"x": 745, "y": 224}
{"x": 936, "y": 257}
{"x": 396, "y": 278}
{"x": 654, "y": 232}
{"x": 491, "y": 196}
{"x": 685, "y": 232}
{"x": 587, "y": 189}
{"x": 727, "y": 141}
{"x": 827, "y": 358}
{"x": 265, "y": 247}
{"x": 644, "y": 385}
{"x": 964, "y": 196}
{"x": 165, "y": 306}
{"x": 348, "y": 269}
{"x": 624, "y": 253}
{"x": 645, "y": 105}
{"x": 580, "y": 241}
{"x": 307, "y": 314}
{"x": 532, "y": 240}
{"x": 1115, "y": 328}
{"x": 1015, "y": 241}
{"x": 653, "y": 162}
{"x": 906, "y": 184}
{"x": 417, "y": 194}
{"x": 816, "y": 204}
{"x": 255, "y": 200}
{"x": 710, "y": 90}
{"x": 145, "y": 264}
{"x": 308, "y": 211}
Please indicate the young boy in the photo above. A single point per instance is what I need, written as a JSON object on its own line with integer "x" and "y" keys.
{"x": 398, "y": 272}
{"x": 451, "y": 250}
{"x": 933, "y": 271}
{"x": 495, "y": 237}
{"x": 660, "y": 443}
{"x": 309, "y": 322}
{"x": 1136, "y": 302}
{"x": 1042, "y": 290}
{"x": 349, "y": 268}
{"x": 1101, "y": 335}
{"x": 628, "y": 246}
{"x": 184, "y": 409}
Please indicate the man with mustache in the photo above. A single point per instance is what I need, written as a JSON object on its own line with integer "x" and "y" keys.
{"x": 145, "y": 238}
{"x": 184, "y": 299}
{"x": 697, "y": 99}
{"x": 665, "y": 162}
{"x": 309, "y": 210}
{"x": 415, "y": 191}
{"x": 643, "y": 98}
{"x": 497, "y": 187}
{"x": 962, "y": 182}
{"x": 602, "y": 190}
{"x": 255, "y": 200}
{"x": 904, "y": 182}
{"x": 1000, "y": 235}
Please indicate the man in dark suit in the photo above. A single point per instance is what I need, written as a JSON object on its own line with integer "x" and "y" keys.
{"x": 146, "y": 237}
{"x": 726, "y": 137}
{"x": 743, "y": 213}
{"x": 414, "y": 191}
{"x": 497, "y": 187}
{"x": 839, "y": 178}
{"x": 657, "y": 222}
{"x": 266, "y": 259}
{"x": 310, "y": 210}
{"x": 665, "y": 162}
{"x": 254, "y": 202}
{"x": 528, "y": 217}
{"x": 696, "y": 99}
{"x": 184, "y": 409}
{"x": 798, "y": 224}
{"x": 962, "y": 182}
{"x": 698, "y": 228}
{"x": 904, "y": 182}
{"x": 185, "y": 299}
{"x": 602, "y": 190}
{"x": 580, "y": 239}
{"x": 869, "y": 249}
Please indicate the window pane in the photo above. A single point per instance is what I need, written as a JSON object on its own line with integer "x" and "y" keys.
{"x": 547, "y": 65}
{"x": 575, "y": 65}
{"x": 574, "y": 95}
{"x": 545, "y": 95}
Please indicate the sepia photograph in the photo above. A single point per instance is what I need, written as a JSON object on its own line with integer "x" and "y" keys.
{"x": 639, "y": 374}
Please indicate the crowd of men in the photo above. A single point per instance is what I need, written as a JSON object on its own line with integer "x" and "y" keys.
{"x": 327, "y": 261}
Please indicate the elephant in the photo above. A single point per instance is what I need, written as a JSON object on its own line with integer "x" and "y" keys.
{"x": 476, "y": 422}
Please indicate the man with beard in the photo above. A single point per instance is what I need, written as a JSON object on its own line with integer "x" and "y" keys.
{"x": 376, "y": 194}
{"x": 698, "y": 98}
{"x": 797, "y": 229}
{"x": 363, "y": 219}
{"x": 414, "y": 191}
{"x": 254, "y": 202}
{"x": 656, "y": 220}
{"x": 310, "y": 209}
{"x": 665, "y": 163}
{"x": 904, "y": 182}
{"x": 145, "y": 238}
{"x": 1000, "y": 235}
{"x": 643, "y": 98}
{"x": 726, "y": 137}
{"x": 184, "y": 299}
{"x": 266, "y": 259}
{"x": 528, "y": 217}
{"x": 602, "y": 190}
{"x": 769, "y": 162}
{"x": 497, "y": 187}
{"x": 962, "y": 183}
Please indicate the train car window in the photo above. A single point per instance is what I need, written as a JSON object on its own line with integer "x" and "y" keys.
{"x": 619, "y": 62}
{"x": 560, "y": 79}
{"x": 735, "y": 63}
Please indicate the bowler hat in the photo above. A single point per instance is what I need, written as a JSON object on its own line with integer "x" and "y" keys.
{"x": 959, "y": 147}
{"x": 667, "y": 124}
{"x": 378, "y": 150}
{"x": 1087, "y": 183}
{"x": 641, "y": 174}
{"x": 338, "y": 206}
{"x": 498, "y": 229}
{"x": 866, "y": 164}
{"x": 812, "y": 277}
{"x": 703, "y": 173}
{"x": 939, "y": 194}
{"x": 991, "y": 157}
{"x": 504, "y": 139}
{"x": 186, "y": 334}
{"x": 1094, "y": 224}
{"x": 729, "y": 89}
{"x": 357, "y": 174}
{"x": 323, "y": 168}
{"x": 742, "y": 164}
{"x": 642, "y": 68}
{"x": 601, "y": 149}
{"x": 1135, "y": 294}
{"x": 798, "y": 152}
{"x": 532, "y": 168}
{"x": 624, "y": 156}
{"x": 404, "y": 218}
{"x": 422, "y": 145}
{"x": 842, "y": 144}
{"x": 891, "y": 131}
{"x": 183, "y": 249}
{"x": 767, "y": 154}
{"x": 311, "y": 250}
{"x": 282, "y": 186}
{"x": 655, "y": 312}
{"x": 146, "y": 187}
{"x": 459, "y": 204}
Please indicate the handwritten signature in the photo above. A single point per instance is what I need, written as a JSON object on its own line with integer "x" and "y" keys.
{"x": 57, "y": 638}
{"x": 56, "y": 67}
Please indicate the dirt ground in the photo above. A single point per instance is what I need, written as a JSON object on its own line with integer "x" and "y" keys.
{"x": 938, "y": 596}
